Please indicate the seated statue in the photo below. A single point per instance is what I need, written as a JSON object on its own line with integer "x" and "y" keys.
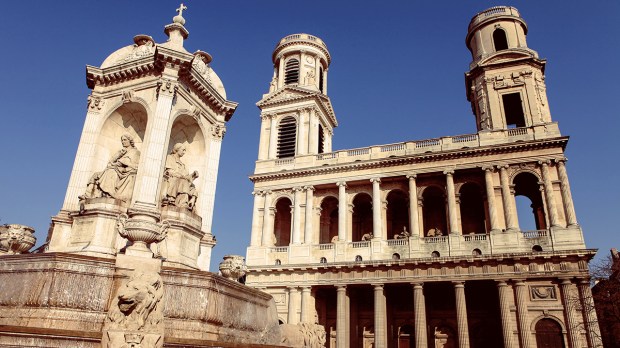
{"x": 402, "y": 235}
{"x": 178, "y": 187}
{"x": 119, "y": 176}
{"x": 367, "y": 236}
{"x": 434, "y": 232}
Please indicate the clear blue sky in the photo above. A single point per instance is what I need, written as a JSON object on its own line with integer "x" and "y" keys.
{"x": 396, "y": 75}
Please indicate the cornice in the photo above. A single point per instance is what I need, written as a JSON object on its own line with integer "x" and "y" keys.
{"x": 322, "y": 100}
{"x": 411, "y": 159}
{"x": 207, "y": 93}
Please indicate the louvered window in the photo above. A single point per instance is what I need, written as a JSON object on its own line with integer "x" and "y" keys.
{"x": 321, "y": 80}
{"x": 287, "y": 137}
{"x": 291, "y": 72}
{"x": 321, "y": 140}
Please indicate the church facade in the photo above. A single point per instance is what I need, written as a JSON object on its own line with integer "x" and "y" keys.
{"x": 419, "y": 244}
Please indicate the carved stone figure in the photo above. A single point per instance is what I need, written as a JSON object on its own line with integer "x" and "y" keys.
{"x": 310, "y": 79}
{"x": 16, "y": 239}
{"x": 368, "y": 236}
{"x": 402, "y": 235}
{"x": 178, "y": 188}
{"x": 119, "y": 177}
{"x": 233, "y": 267}
{"x": 135, "y": 317}
{"x": 302, "y": 335}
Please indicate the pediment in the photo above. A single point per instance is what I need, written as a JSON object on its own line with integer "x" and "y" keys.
{"x": 508, "y": 56}
{"x": 293, "y": 95}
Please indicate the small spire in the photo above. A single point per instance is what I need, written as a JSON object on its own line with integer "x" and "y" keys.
{"x": 176, "y": 30}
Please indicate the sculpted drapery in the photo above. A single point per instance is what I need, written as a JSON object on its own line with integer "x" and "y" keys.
{"x": 178, "y": 187}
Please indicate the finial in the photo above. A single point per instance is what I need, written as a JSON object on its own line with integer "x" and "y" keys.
{"x": 179, "y": 18}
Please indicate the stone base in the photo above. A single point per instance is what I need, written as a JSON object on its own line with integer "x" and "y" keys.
{"x": 61, "y": 300}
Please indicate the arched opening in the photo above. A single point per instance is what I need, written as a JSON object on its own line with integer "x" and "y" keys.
{"x": 358, "y": 258}
{"x": 527, "y": 192}
{"x": 323, "y": 260}
{"x": 435, "y": 254}
{"x": 549, "y": 334}
{"x": 287, "y": 137}
{"x": 405, "y": 337}
{"x": 513, "y": 110}
{"x": 291, "y": 72}
{"x": 278, "y": 262}
{"x": 396, "y": 256}
{"x": 500, "y": 41}
{"x": 321, "y": 79}
{"x": 472, "y": 209}
{"x": 397, "y": 212}
{"x": 362, "y": 216}
{"x": 537, "y": 249}
{"x": 434, "y": 212}
{"x": 476, "y": 252}
{"x": 282, "y": 224}
{"x": 321, "y": 141}
{"x": 329, "y": 220}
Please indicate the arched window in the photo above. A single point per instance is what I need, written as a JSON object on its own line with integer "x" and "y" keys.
{"x": 323, "y": 260}
{"x": 329, "y": 220}
{"x": 321, "y": 80}
{"x": 500, "y": 42}
{"x": 278, "y": 262}
{"x": 549, "y": 334}
{"x": 476, "y": 252}
{"x": 362, "y": 216}
{"x": 282, "y": 224}
{"x": 396, "y": 256}
{"x": 321, "y": 140}
{"x": 435, "y": 254}
{"x": 537, "y": 249}
{"x": 287, "y": 137}
{"x": 527, "y": 193}
{"x": 358, "y": 258}
{"x": 291, "y": 72}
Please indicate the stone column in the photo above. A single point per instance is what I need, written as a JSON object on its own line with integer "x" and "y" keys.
{"x": 296, "y": 237}
{"x": 553, "y": 213}
{"x": 302, "y": 146}
{"x": 255, "y": 240}
{"x": 342, "y": 210}
{"x": 505, "y": 292}
{"x": 293, "y": 316}
{"x": 490, "y": 189}
{"x": 268, "y": 216}
{"x": 380, "y": 317}
{"x": 325, "y": 81}
{"x": 313, "y": 141}
{"x": 452, "y": 217}
{"x": 522, "y": 312}
{"x": 306, "y": 316}
{"x": 263, "y": 147}
{"x": 419, "y": 308}
{"x": 281, "y": 71}
{"x": 317, "y": 72}
{"x": 421, "y": 217}
{"x": 461, "y": 314}
{"x": 309, "y": 208}
{"x": 569, "y": 309}
{"x": 273, "y": 138}
{"x": 567, "y": 198}
{"x": 593, "y": 332}
{"x": 146, "y": 192}
{"x": 377, "y": 229}
{"x": 509, "y": 202}
{"x": 413, "y": 205}
{"x": 341, "y": 316}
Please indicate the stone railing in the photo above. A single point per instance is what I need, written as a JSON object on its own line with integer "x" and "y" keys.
{"x": 307, "y": 37}
{"x": 534, "y": 234}
{"x": 475, "y": 237}
{"x": 395, "y": 242}
{"x": 414, "y": 147}
{"x": 432, "y": 240}
{"x": 363, "y": 244}
{"x": 326, "y": 246}
{"x": 279, "y": 249}
{"x": 493, "y": 11}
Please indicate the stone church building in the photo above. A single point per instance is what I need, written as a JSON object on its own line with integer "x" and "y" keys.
{"x": 419, "y": 244}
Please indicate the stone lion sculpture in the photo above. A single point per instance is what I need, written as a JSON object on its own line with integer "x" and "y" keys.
{"x": 302, "y": 335}
{"x": 135, "y": 305}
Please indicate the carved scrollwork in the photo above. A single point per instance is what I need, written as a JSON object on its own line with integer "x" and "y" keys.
{"x": 218, "y": 131}
{"x": 95, "y": 103}
{"x": 167, "y": 87}
{"x": 543, "y": 293}
{"x": 144, "y": 46}
{"x": 128, "y": 96}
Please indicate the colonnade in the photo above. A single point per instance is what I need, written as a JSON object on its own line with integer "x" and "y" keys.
{"x": 513, "y": 293}
{"x": 303, "y": 198}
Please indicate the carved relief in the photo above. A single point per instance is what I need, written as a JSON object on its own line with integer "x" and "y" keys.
{"x": 95, "y": 103}
{"x": 541, "y": 95}
{"x": 481, "y": 100}
{"x": 118, "y": 178}
{"x": 304, "y": 335}
{"x": 144, "y": 46}
{"x": 218, "y": 131}
{"x": 128, "y": 96}
{"x": 135, "y": 317}
{"x": 167, "y": 87}
{"x": 543, "y": 293}
{"x": 513, "y": 79}
{"x": 16, "y": 239}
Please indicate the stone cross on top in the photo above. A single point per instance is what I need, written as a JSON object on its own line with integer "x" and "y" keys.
{"x": 181, "y": 8}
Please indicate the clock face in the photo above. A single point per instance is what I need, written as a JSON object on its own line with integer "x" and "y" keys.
{"x": 310, "y": 60}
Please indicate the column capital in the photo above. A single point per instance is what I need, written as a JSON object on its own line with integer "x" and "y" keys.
{"x": 258, "y": 193}
{"x": 449, "y": 172}
{"x": 309, "y": 188}
{"x": 518, "y": 282}
{"x": 561, "y": 161}
{"x": 375, "y": 180}
{"x": 306, "y": 288}
{"x": 417, "y": 285}
{"x": 502, "y": 167}
{"x": 544, "y": 162}
{"x": 565, "y": 280}
{"x": 291, "y": 288}
{"x": 267, "y": 192}
{"x": 341, "y": 183}
{"x": 501, "y": 283}
{"x": 376, "y": 286}
{"x": 297, "y": 189}
{"x": 340, "y": 287}
{"x": 584, "y": 280}
{"x": 489, "y": 168}
{"x": 458, "y": 284}
{"x": 411, "y": 176}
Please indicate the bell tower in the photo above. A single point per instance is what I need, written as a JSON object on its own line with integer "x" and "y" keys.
{"x": 506, "y": 81}
{"x": 297, "y": 115}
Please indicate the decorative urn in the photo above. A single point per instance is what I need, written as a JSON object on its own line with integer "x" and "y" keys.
{"x": 233, "y": 267}
{"x": 16, "y": 239}
{"x": 141, "y": 232}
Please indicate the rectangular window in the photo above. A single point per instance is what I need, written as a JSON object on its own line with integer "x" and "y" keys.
{"x": 513, "y": 110}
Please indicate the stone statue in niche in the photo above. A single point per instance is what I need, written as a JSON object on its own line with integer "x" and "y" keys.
{"x": 179, "y": 189}
{"x": 135, "y": 317}
{"x": 310, "y": 79}
{"x": 118, "y": 178}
